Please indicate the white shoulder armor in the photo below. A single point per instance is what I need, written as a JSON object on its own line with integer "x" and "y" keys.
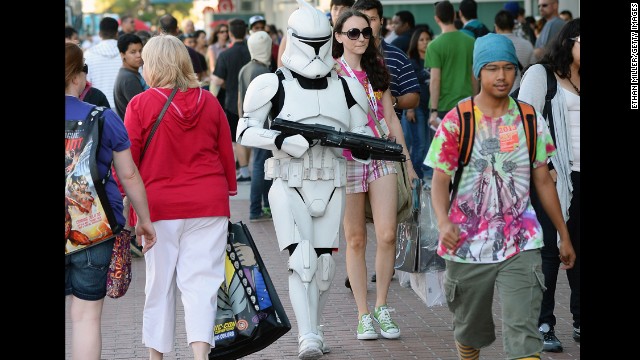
{"x": 260, "y": 91}
{"x": 358, "y": 93}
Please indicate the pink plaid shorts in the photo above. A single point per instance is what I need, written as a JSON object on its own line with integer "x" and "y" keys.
{"x": 360, "y": 175}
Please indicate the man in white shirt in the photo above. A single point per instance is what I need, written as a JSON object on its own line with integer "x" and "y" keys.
{"x": 104, "y": 59}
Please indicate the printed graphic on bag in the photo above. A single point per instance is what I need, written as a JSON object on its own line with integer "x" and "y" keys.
{"x": 242, "y": 295}
{"x": 119, "y": 273}
{"x": 86, "y": 220}
{"x": 250, "y": 315}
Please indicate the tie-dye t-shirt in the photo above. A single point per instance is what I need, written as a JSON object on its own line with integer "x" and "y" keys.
{"x": 492, "y": 206}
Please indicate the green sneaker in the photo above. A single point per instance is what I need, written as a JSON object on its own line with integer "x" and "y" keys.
{"x": 388, "y": 328}
{"x": 365, "y": 328}
{"x": 266, "y": 210}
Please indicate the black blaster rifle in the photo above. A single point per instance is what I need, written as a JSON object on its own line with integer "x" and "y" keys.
{"x": 361, "y": 146}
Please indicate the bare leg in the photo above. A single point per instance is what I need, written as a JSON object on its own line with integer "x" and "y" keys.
{"x": 355, "y": 232}
{"x": 384, "y": 219}
{"x": 242, "y": 154}
{"x": 200, "y": 350}
{"x": 155, "y": 354}
{"x": 86, "y": 336}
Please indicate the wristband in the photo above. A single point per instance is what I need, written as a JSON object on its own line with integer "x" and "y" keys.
{"x": 434, "y": 110}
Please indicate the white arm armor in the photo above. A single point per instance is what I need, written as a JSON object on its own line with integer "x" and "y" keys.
{"x": 257, "y": 104}
{"x": 359, "y": 111}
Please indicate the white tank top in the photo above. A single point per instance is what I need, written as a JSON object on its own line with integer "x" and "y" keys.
{"x": 573, "y": 104}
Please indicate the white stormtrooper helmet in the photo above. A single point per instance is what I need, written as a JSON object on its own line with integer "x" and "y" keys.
{"x": 308, "y": 51}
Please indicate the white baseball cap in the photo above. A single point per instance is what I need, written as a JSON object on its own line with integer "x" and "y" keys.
{"x": 256, "y": 18}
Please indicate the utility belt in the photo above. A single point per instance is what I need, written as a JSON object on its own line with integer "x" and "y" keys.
{"x": 294, "y": 171}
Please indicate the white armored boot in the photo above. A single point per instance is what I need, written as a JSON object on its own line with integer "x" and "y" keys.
{"x": 304, "y": 295}
{"x": 310, "y": 346}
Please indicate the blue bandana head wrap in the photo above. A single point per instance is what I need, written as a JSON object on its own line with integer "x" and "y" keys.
{"x": 490, "y": 48}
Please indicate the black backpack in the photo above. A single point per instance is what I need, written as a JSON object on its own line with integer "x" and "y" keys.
{"x": 479, "y": 31}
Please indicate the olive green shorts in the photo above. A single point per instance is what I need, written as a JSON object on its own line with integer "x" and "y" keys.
{"x": 518, "y": 281}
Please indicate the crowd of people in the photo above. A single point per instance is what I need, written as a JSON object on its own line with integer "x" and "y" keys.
{"x": 512, "y": 209}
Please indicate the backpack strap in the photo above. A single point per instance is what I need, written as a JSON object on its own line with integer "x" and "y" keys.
{"x": 465, "y": 140}
{"x": 552, "y": 88}
{"x": 528, "y": 116}
{"x": 467, "y": 129}
{"x": 97, "y": 115}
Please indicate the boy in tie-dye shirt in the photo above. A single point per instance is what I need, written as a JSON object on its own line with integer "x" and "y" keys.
{"x": 489, "y": 234}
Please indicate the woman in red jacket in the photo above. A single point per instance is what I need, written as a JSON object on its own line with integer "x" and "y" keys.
{"x": 189, "y": 173}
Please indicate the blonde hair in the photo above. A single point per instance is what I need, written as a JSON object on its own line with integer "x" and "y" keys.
{"x": 167, "y": 63}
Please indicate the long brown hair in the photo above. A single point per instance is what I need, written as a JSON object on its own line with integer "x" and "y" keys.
{"x": 73, "y": 62}
{"x": 372, "y": 61}
{"x": 214, "y": 35}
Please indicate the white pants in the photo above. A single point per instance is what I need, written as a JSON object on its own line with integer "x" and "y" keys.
{"x": 189, "y": 253}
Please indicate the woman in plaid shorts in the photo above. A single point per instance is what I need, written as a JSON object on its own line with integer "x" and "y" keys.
{"x": 358, "y": 58}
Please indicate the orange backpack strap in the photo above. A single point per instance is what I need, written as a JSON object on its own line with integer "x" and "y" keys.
{"x": 467, "y": 129}
{"x": 465, "y": 139}
{"x": 529, "y": 122}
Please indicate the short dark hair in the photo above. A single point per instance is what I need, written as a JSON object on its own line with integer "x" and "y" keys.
{"x": 469, "y": 9}
{"x": 69, "y": 31}
{"x": 168, "y": 24}
{"x": 504, "y": 20}
{"x": 197, "y": 33}
{"x": 238, "y": 28}
{"x": 407, "y": 18}
{"x": 144, "y": 35}
{"x": 125, "y": 18}
{"x": 368, "y": 5}
{"x": 348, "y": 3}
{"x": 125, "y": 39}
{"x": 445, "y": 12}
{"x": 568, "y": 13}
{"x": 108, "y": 28}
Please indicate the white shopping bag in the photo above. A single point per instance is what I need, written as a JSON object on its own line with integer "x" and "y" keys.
{"x": 435, "y": 288}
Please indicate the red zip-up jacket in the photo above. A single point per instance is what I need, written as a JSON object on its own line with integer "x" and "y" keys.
{"x": 189, "y": 168}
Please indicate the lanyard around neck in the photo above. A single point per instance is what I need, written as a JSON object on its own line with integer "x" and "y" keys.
{"x": 372, "y": 97}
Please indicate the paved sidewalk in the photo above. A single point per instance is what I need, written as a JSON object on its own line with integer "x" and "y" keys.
{"x": 426, "y": 332}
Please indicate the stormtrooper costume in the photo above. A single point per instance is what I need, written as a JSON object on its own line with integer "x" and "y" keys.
{"x": 307, "y": 196}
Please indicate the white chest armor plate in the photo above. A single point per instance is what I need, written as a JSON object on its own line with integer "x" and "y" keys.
{"x": 326, "y": 106}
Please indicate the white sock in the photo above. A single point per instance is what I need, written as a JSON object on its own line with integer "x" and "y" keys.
{"x": 244, "y": 171}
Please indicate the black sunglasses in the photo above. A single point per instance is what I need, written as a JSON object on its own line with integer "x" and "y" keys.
{"x": 354, "y": 33}
{"x": 85, "y": 68}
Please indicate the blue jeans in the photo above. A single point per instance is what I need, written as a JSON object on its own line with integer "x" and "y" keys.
{"x": 417, "y": 135}
{"x": 259, "y": 195}
{"x": 85, "y": 271}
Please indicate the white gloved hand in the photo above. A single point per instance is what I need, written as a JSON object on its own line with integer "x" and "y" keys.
{"x": 295, "y": 145}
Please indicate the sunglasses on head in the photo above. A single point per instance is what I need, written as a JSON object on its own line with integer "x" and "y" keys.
{"x": 354, "y": 34}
